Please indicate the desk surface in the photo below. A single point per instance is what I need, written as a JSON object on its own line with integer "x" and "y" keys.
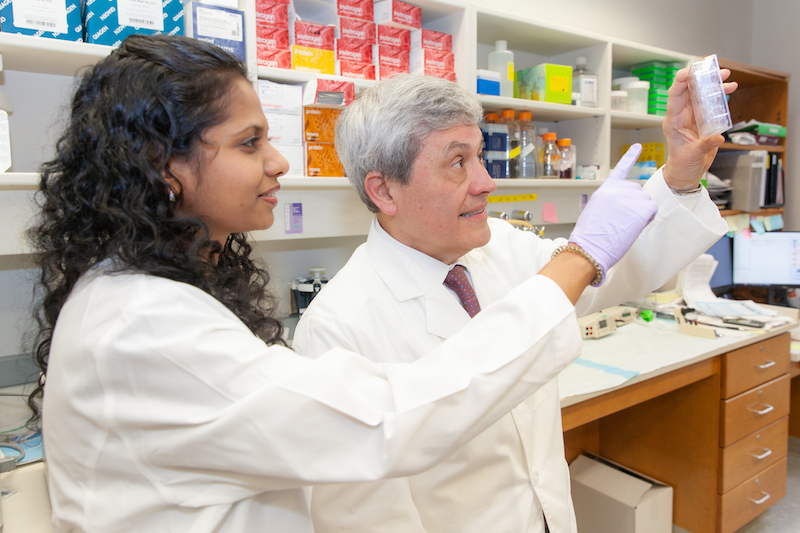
{"x": 28, "y": 509}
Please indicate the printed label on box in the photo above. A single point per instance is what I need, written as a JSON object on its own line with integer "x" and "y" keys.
{"x": 308, "y": 59}
{"x": 350, "y": 50}
{"x": 355, "y": 70}
{"x": 141, "y": 14}
{"x": 390, "y": 56}
{"x": 431, "y": 40}
{"x": 219, "y": 24}
{"x": 314, "y": 35}
{"x": 397, "y": 37}
{"x": 349, "y": 28}
{"x": 49, "y": 15}
{"x": 272, "y": 13}
{"x": 272, "y": 37}
{"x": 293, "y": 218}
{"x": 360, "y": 9}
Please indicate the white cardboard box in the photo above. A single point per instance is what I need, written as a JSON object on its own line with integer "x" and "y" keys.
{"x": 610, "y": 498}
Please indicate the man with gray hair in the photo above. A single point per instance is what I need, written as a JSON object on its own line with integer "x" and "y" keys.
{"x": 411, "y": 146}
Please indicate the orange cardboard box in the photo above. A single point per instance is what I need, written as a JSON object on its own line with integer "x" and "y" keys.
{"x": 320, "y": 124}
{"x": 322, "y": 161}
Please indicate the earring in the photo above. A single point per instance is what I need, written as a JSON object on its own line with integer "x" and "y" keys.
{"x": 171, "y": 196}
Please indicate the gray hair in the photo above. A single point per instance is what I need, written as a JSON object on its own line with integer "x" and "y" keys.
{"x": 384, "y": 128}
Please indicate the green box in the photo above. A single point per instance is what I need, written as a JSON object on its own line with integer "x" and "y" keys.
{"x": 660, "y": 65}
{"x": 763, "y": 129}
{"x": 546, "y": 83}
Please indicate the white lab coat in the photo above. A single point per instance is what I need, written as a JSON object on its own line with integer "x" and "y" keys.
{"x": 386, "y": 305}
{"x": 163, "y": 413}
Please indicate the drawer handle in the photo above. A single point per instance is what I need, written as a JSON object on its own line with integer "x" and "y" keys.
{"x": 764, "y": 498}
{"x": 766, "y": 365}
{"x": 763, "y": 411}
{"x": 767, "y": 452}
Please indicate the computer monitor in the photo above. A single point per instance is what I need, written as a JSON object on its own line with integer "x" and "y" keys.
{"x": 722, "y": 280}
{"x": 771, "y": 259}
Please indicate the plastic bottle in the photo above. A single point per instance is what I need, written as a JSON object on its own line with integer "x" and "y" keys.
{"x": 551, "y": 157}
{"x": 496, "y": 147}
{"x": 564, "y": 146}
{"x": 584, "y": 82}
{"x": 528, "y": 144}
{"x": 502, "y": 61}
{"x": 514, "y": 149}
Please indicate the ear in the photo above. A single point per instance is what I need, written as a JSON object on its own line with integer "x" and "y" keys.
{"x": 173, "y": 172}
{"x": 380, "y": 191}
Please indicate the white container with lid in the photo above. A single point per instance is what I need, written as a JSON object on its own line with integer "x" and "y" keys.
{"x": 619, "y": 100}
{"x": 617, "y": 83}
{"x": 637, "y": 96}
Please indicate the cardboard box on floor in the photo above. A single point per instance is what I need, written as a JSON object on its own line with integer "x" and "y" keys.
{"x": 610, "y": 498}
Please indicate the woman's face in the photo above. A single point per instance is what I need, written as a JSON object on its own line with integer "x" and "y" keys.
{"x": 231, "y": 184}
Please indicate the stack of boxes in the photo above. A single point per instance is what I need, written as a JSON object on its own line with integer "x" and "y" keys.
{"x": 432, "y": 54}
{"x": 395, "y": 20}
{"x": 355, "y": 39}
{"x": 319, "y": 130}
{"x": 273, "y": 47}
{"x": 59, "y": 22}
{"x": 313, "y": 45}
{"x": 283, "y": 105}
{"x": 660, "y": 75}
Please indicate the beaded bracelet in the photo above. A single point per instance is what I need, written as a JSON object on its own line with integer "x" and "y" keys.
{"x": 578, "y": 250}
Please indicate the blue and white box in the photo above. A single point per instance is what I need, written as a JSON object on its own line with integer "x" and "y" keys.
{"x": 222, "y": 26}
{"x": 488, "y": 82}
{"x": 110, "y": 21}
{"x": 55, "y": 19}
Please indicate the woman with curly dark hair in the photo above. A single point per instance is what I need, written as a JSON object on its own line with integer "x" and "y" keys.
{"x": 171, "y": 402}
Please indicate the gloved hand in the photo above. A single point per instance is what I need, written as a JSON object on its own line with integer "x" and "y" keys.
{"x": 615, "y": 215}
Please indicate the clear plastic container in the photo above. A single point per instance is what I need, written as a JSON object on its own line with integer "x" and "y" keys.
{"x": 619, "y": 100}
{"x": 637, "y": 96}
{"x": 710, "y": 105}
{"x": 507, "y": 117}
{"x": 502, "y": 62}
{"x": 550, "y": 157}
{"x": 527, "y": 138}
{"x": 584, "y": 82}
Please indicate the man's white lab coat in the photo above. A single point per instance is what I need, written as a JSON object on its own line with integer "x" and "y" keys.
{"x": 387, "y": 305}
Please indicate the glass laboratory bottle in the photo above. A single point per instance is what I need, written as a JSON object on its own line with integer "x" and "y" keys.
{"x": 507, "y": 117}
{"x": 584, "y": 82}
{"x": 550, "y": 157}
{"x": 496, "y": 147}
{"x": 527, "y": 143}
{"x": 502, "y": 61}
{"x": 565, "y": 148}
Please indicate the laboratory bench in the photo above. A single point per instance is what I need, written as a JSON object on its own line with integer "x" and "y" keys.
{"x": 713, "y": 425}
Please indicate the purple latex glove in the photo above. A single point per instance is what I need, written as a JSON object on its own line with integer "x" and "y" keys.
{"x": 615, "y": 215}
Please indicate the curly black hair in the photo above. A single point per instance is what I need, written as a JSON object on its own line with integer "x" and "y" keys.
{"x": 104, "y": 194}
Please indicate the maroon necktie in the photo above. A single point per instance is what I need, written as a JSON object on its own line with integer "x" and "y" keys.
{"x": 457, "y": 281}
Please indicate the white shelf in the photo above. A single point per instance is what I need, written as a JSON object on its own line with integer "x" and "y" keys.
{"x": 283, "y": 75}
{"x": 19, "y": 181}
{"x": 634, "y": 121}
{"x": 48, "y": 56}
{"x": 542, "y": 111}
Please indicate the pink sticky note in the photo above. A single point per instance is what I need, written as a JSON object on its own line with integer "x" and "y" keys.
{"x": 549, "y": 213}
{"x": 746, "y": 233}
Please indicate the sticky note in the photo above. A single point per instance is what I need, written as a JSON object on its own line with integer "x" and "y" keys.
{"x": 549, "y": 212}
{"x": 757, "y": 225}
{"x": 737, "y": 223}
{"x": 776, "y": 221}
{"x": 746, "y": 233}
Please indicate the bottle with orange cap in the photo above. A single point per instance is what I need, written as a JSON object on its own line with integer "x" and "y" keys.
{"x": 565, "y": 147}
{"x": 507, "y": 117}
{"x": 496, "y": 146}
{"x": 527, "y": 142}
{"x": 550, "y": 157}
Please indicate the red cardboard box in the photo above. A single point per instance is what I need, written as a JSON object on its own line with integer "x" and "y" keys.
{"x": 357, "y": 9}
{"x": 431, "y": 40}
{"x": 313, "y": 35}
{"x": 444, "y": 74}
{"x": 398, "y": 14}
{"x": 396, "y": 58}
{"x": 317, "y": 85}
{"x": 422, "y": 59}
{"x": 271, "y": 57}
{"x": 382, "y": 72}
{"x": 272, "y": 37}
{"x": 269, "y": 13}
{"x": 351, "y": 50}
{"x": 356, "y": 29}
{"x": 397, "y": 37}
{"x": 355, "y": 70}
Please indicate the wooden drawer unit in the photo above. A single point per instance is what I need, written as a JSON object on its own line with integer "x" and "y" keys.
{"x": 748, "y": 500}
{"x": 752, "y": 410}
{"x": 753, "y": 365}
{"x": 745, "y": 458}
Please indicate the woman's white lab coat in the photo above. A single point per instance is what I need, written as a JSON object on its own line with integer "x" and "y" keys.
{"x": 163, "y": 412}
